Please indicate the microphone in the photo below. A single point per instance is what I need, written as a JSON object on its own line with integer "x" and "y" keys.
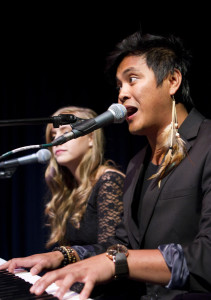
{"x": 42, "y": 156}
{"x": 116, "y": 113}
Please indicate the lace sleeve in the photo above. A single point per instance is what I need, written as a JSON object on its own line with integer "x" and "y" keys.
{"x": 110, "y": 206}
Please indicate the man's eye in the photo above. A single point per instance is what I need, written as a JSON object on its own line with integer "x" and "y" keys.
{"x": 132, "y": 79}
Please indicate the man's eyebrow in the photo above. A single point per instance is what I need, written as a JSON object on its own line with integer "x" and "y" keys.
{"x": 127, "y": 71}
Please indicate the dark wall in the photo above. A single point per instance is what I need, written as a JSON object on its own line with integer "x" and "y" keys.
{"x": 55, "y": 56}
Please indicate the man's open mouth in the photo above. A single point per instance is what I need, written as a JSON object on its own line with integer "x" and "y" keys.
{"x": 131, "y": 111}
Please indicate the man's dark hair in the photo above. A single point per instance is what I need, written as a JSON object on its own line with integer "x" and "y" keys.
{"x": 163, "y": 55}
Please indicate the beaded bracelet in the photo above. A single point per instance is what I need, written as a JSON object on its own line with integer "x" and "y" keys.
{"x": 68, "y": 253}
{"x": 71, "y": 255}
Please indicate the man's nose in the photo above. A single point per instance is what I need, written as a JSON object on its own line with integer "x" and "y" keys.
{"x": 123, "y": 95}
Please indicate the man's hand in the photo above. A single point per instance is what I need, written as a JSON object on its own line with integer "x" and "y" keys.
{"x": 97, "y": 269}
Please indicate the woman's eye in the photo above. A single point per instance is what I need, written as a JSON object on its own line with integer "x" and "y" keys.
{"x": 59, "y": 134}
{"x": 67, "y": 131}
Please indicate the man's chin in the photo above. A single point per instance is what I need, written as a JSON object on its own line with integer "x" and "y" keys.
{"x": 133, "y": 131}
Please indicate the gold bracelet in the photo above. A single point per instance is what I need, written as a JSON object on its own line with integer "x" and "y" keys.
{"x": 71, "y": 255}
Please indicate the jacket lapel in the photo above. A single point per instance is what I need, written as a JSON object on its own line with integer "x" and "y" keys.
{"x": 135, "y": 168}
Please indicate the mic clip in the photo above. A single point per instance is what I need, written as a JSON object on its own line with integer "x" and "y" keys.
{"x": 64, "y": 119}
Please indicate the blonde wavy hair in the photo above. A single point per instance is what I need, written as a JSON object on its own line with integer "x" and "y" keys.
{"x": 69, "y": 200}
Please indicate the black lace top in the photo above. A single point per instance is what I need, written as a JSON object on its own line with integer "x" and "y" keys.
{"x": 103, "y": 213}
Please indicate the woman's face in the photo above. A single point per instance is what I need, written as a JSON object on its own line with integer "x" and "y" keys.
{"x": 70, "y": 153}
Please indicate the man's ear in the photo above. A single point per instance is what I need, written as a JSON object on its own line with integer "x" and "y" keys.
{"x": 175, "y": 80}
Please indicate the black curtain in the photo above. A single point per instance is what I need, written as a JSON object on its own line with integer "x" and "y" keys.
{"x": 55, "y": 57}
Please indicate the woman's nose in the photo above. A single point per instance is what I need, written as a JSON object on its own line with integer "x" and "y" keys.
{"x": 57, "y": 134}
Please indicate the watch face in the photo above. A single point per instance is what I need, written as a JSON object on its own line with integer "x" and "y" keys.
{"x": 113, "y": 250}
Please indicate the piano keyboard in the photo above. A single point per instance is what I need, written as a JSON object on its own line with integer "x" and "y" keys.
{"x": 16, "y": 286}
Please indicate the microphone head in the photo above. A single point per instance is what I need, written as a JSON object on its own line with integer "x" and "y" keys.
{"x": 119, "y": 112}
{"x": 43, "y": 156}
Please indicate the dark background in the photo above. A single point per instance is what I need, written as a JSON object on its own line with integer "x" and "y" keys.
{"x": 53, "y": 55}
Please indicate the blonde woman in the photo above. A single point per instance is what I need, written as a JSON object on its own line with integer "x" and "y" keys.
{"x": 86, "y": 198}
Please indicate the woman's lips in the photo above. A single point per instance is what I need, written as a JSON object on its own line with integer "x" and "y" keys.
{"x": 59, "y": 151}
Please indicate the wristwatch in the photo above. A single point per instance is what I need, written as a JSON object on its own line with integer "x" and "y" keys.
{"x": 119, "y": 253}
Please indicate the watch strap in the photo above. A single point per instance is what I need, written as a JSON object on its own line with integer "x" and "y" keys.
{"x": 121, "y": 266}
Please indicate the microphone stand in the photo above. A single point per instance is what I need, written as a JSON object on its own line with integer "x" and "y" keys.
{"x": 61, "y": 119}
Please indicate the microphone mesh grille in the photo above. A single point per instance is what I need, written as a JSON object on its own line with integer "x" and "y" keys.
{"x": 43, "y": 156}
{"x": 119, "y": 112}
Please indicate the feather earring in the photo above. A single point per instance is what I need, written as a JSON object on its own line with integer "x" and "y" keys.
{"x": 173, "y": 147}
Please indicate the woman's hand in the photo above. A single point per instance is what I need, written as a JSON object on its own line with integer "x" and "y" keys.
{"x": 36, "y": 263}
{"x": 90, "y": 271}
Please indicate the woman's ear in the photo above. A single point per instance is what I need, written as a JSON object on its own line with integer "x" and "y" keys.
{"x": 175, "y": 80}
{"x": 90, "y": 140}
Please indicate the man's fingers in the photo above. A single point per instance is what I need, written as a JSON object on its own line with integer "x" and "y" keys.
{"x": 64, "y": 285}
{"x": 10, "y": 265}
{"x": 86, "y": 292}
{"x": 36, "y": 269}
{"x": 40, "y": 285}
{"x": 14, "y": 265}
{"x": 68, "y": 281}
{"x": 4, "y": 266}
